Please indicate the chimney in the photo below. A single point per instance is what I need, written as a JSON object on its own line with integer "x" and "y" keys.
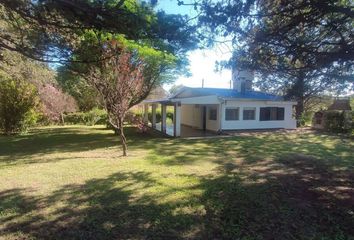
{"x": 242, "y": 80}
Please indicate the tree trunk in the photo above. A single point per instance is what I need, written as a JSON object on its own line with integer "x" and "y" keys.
{"x": 62, "y": 119}
{"x": 299, "y": 110}
{"x": 300, "y": 92}
{"x": 122, "y": 138}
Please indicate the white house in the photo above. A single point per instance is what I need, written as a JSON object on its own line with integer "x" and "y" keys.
{"x": 216, "y": 110}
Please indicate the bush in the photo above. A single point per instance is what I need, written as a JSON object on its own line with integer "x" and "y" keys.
{"x": 74, "y": 118}
{"x": 90, "y": 118}
{"x": 306, "y": 119}
{"x": 18, "y": 106}
{"x": 95, "y": 116}
{"x": 338, "y": 121}
{"x": 169, "y": 115}
{"x": 158, "y": 117}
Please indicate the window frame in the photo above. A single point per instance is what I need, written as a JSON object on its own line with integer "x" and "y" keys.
{"x": 254, "y": 109}
{"x": 232, "y": 108}
{"x": 272, "y": 112}
{"x": 211, "y": 116}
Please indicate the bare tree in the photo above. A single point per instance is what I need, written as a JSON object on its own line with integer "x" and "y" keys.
{"x": 55, "y": 102}
{"x": 124, "y": 79}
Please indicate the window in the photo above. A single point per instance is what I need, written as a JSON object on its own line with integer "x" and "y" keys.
{"x": 271, "y": 114}
{"x": 231, "y": 114}
{"x": 213, "y": 113}
{"x": 249, "y": 113}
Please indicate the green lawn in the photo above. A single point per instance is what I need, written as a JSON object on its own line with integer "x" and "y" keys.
{"x": 71, "y": 183}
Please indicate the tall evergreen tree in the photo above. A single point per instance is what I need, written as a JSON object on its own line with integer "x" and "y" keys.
{"x": 302, "y": 47}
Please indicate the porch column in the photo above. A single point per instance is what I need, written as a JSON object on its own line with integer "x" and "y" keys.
{"x": 177, "y": 120}
{"x": 146, "y": 114}
{"x": 153, "y": 123}
{"x": 163, "y": 118}
{"x": 221, "y": 115}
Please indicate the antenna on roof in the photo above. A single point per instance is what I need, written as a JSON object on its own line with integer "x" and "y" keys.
{"x": 202, "y": 82}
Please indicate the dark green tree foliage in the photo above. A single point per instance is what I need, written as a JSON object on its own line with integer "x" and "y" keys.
{"x": 85, "y": 95}
{"x": 301, "y": 47}
{"x": 57, "y": 31}
{"x": 338, "y": 121}
{"x": 51, "y": 31}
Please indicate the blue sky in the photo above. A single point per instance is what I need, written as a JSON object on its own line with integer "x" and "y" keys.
{"x": 202, "y": 62}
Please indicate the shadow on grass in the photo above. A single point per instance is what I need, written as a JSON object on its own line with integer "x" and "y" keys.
{"x": 283, "y": 188}
{"x": 98, "y": 209}
{"x": 56, "y": 139}
{"x": 297, "y": 199}
{"x": 16, "y": 150}
{"x": 255, "y": 148}
{"x": 176, "y": 151}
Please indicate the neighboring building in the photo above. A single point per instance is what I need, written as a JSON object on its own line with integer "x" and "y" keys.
{"x": 156, "y": 93}
{"x": 339, "y": 104}
{"x": 218, "y": 110}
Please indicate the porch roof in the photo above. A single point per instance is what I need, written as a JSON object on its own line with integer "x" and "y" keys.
{"x": 162, "y": 100}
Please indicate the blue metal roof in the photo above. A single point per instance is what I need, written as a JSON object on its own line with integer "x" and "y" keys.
{"x": 231, "y": 93}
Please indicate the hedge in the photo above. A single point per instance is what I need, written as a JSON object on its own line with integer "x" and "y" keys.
{"x": 338, "y": 121}
{"x": 93, "y": 117}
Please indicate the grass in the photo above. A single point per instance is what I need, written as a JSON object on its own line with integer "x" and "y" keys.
{"x": 71, "y": 183}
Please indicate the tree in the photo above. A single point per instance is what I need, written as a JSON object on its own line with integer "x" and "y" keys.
{"x": 301, "y": 47}
{"x": 57, "y": 31}
{"x": 53, "y": 101}
{"x": 18, "y": 105}
{"x": 123, "y": 80}
{"x": 85, "y": 94}
{"x": 51, "y": 31}
{"x": 76, "y": 34}
{"x": 175, "y": 88}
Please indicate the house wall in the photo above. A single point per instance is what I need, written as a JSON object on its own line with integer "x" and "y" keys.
{"x": 288, "y": 122}
{"x": 192, "y": 111}
{"x": 191, "y": 115}
{"x": 213, "y": 125}
{"x": 212, "y": 99}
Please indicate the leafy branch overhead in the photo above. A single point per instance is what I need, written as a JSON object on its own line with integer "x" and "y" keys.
{"x": 50, "y": 30}
{"x": 321, "y": 29}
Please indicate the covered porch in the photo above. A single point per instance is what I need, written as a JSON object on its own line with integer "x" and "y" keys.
{"x": 176, "y": 119}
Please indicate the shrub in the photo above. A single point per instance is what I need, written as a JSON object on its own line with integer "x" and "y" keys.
{"x": 74, "y": 118}
{"x": 306, "y": 119}
{"x": 338, "y": 121}
{"x": 158, "y": 117}
{"x": 90, "y": 118}
{"x": 169, "y": 115}
{"x": 18, "y": 106}
{"x": 95, "y": 116}
{"x": 136, "y": 119}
